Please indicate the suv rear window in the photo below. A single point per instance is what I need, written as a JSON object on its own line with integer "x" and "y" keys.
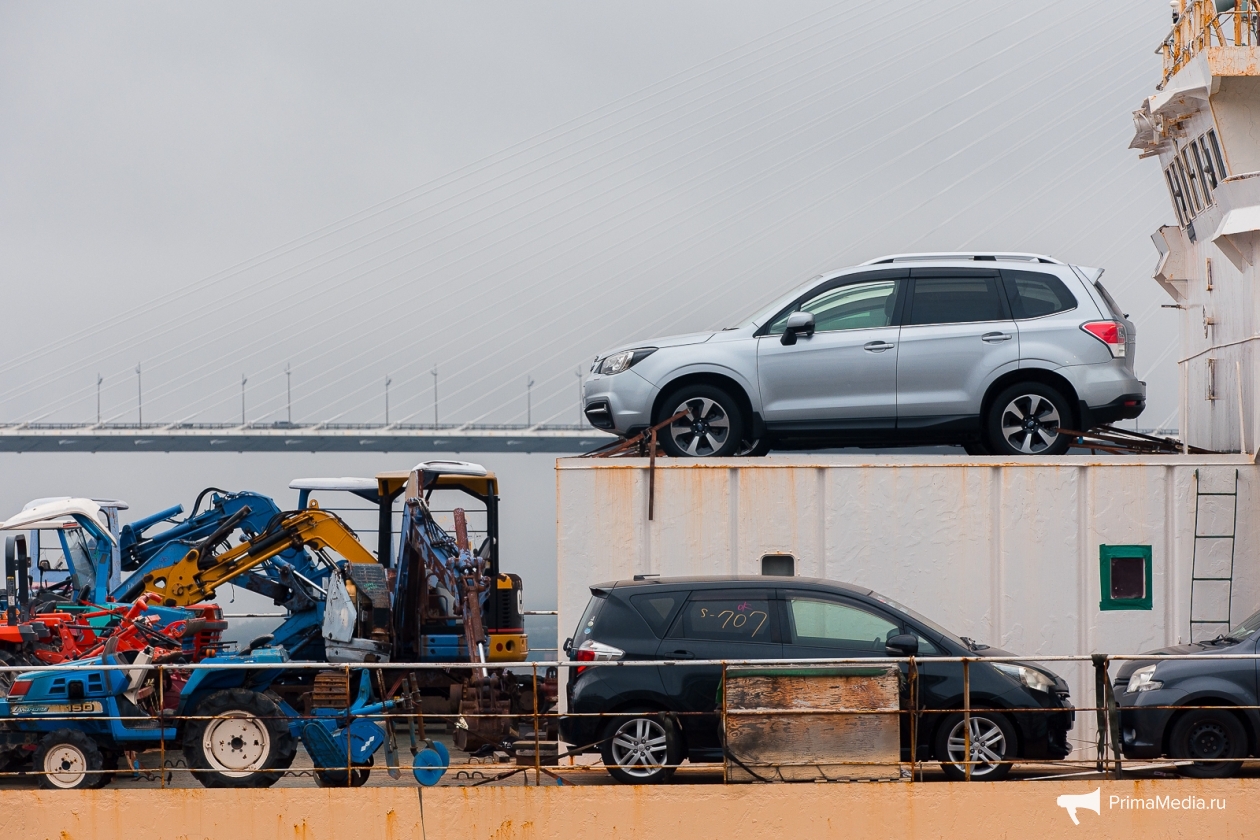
{"x": 1034, "y": 294}
{"x": 1110, "y": 301}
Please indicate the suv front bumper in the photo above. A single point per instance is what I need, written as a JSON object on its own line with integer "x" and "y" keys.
{"x": 620, "y": 403}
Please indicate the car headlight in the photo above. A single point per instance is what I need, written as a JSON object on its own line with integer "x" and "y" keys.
{"x": 626, "y": 359}
{"x": 1143, "y": 679}
{"x": 1030, "y": 677}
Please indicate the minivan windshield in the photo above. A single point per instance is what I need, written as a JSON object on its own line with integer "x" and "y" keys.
{"x": 924, "y": 620}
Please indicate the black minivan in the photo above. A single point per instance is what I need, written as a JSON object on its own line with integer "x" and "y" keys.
{"x": 654, "y": 717}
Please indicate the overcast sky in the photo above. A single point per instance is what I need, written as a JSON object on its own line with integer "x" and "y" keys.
{"x": 503, "y": 189}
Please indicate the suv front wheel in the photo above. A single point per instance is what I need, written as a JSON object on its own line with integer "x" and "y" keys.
{"x": 641, "y": 749}
{"x": 1025, "y": 420}
{"x": 712, "y": 428}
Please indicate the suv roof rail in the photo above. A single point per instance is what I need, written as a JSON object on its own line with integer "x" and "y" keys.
{"x": 979, "y": 256}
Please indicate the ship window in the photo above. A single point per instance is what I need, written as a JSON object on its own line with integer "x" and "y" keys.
{"x": 1201, "y": 194}
{"x": 1221, "y": 172}
{"x": 1178, "y": 200}
{"x": 1187, "y": 185}
{"x": 1125, "y": 572}
{"x": 1204, "y": 158}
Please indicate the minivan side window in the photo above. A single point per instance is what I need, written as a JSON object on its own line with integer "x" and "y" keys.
{"x": 955, "y": 300}
{"x": 657, "y": 608}
{"x": 726, "y": 618}
{"x": 1033, "y": 294}
{"x": 852, "y": 306}
{"x": 832, "y": 624}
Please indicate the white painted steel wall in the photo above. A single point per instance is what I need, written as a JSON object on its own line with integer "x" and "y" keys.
{"x": 1006, "y": 552}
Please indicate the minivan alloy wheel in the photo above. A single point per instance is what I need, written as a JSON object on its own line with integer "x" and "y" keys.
{"x": 1030, "y": 423}
{"x": 640, "y": 747}
{"x": 988, "y": 746}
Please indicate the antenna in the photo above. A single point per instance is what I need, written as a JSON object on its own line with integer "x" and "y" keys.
{"x": 243, "y": 381}
{"x": 387, "y": 381}
{"x": 99, "y": 380}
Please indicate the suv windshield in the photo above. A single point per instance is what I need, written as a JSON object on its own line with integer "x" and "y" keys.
{"x": 1245, "y": 630}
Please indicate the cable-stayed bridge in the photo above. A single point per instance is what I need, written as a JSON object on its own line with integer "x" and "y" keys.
{"x": 288, "y": 437}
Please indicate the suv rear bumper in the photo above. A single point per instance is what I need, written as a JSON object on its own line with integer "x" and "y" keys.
{"x": 1125, "y": 407}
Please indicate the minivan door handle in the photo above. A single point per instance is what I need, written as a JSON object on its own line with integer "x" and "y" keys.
{"x": 877, "y": 346}
{"x": 994, "y": 337}
{"x": 681, "y": 654}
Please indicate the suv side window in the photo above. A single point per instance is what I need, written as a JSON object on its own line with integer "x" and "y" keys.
{"x": 1034, "y": 294}
{"x": 955, "y": 300}
{"x": 824, "y": 623}
{"x": 859, "y": 305}
{"x": 726, "y": 616}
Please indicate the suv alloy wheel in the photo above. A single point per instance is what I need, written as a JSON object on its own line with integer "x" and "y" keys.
{"x": 713, "y": 427}
{"x": 1025, "y": 419}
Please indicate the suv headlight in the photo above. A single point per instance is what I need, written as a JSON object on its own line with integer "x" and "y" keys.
{"x": 1143, "y": 679}
{"x": 1030, "y": 677}
{"x": 626, "y": 359}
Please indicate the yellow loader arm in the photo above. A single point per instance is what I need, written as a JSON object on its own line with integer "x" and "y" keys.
{"x": 195, "y": 577}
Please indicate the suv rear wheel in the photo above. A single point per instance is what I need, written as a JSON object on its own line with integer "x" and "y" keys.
{"x": 641, "y": 749}
{"x": 1025, "y": 419}
{"x": 713, "y": 427}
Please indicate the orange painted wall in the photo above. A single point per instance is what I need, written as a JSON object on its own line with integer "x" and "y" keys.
{"x": 678, "y": 812}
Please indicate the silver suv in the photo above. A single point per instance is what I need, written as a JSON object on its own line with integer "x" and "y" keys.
{"x": 996, "y": 352}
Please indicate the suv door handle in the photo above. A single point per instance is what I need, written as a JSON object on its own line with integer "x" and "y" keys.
{"x": 681, "y": 654}
{"x": 996, "y": 336}
{"x": 877, "y": 346}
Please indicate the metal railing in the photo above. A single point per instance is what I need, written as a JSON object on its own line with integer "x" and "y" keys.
{"x": 532, "y": 721}
{"x": 1200, "y": 26}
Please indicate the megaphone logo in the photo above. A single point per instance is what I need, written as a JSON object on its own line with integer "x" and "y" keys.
{"x": 1089, "y": 801}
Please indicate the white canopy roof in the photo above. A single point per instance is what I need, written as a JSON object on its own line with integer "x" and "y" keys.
{"x": 450, "y": 468}
{"x": 344, "y": 483}
{"x": 54, "y": 513}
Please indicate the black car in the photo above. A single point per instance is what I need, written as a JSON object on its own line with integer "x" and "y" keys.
{"x": 1219, "y": 736}
{"x": 657, "y": 716}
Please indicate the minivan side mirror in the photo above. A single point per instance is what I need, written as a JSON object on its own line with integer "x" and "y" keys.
{"x": 798, "y": 322}
{"x": 568, "y": 645}
{"x": 903, "y": 644}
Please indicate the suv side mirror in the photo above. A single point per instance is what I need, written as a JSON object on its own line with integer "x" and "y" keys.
{"x": 798, "y": 322}
{"x": 568, "y": 645}
{"x": 903, "y": 644}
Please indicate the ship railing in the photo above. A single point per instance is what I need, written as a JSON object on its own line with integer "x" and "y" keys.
{"x": 1208, "y": 23}
{"x": 531, "y": 753}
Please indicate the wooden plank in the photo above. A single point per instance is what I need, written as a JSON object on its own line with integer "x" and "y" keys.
{"x": 803, "y": 725}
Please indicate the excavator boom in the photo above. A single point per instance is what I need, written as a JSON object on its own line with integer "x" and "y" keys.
{"x": 199, "y": 573}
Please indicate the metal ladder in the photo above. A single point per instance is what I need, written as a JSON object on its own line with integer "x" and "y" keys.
{"x": 1210, "y": 572}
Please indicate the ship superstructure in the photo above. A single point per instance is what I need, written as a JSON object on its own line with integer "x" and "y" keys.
{"x": 1203, "y": 124}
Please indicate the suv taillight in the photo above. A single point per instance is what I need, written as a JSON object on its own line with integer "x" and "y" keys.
{"x": 1111, "y": 333}
{"x": 19, "y": 688}
{"x": 593, "y": 651}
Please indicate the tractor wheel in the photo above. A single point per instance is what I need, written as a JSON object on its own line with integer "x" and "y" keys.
{"x": 241, "y": 739}
{"x": 68, "y": 759}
